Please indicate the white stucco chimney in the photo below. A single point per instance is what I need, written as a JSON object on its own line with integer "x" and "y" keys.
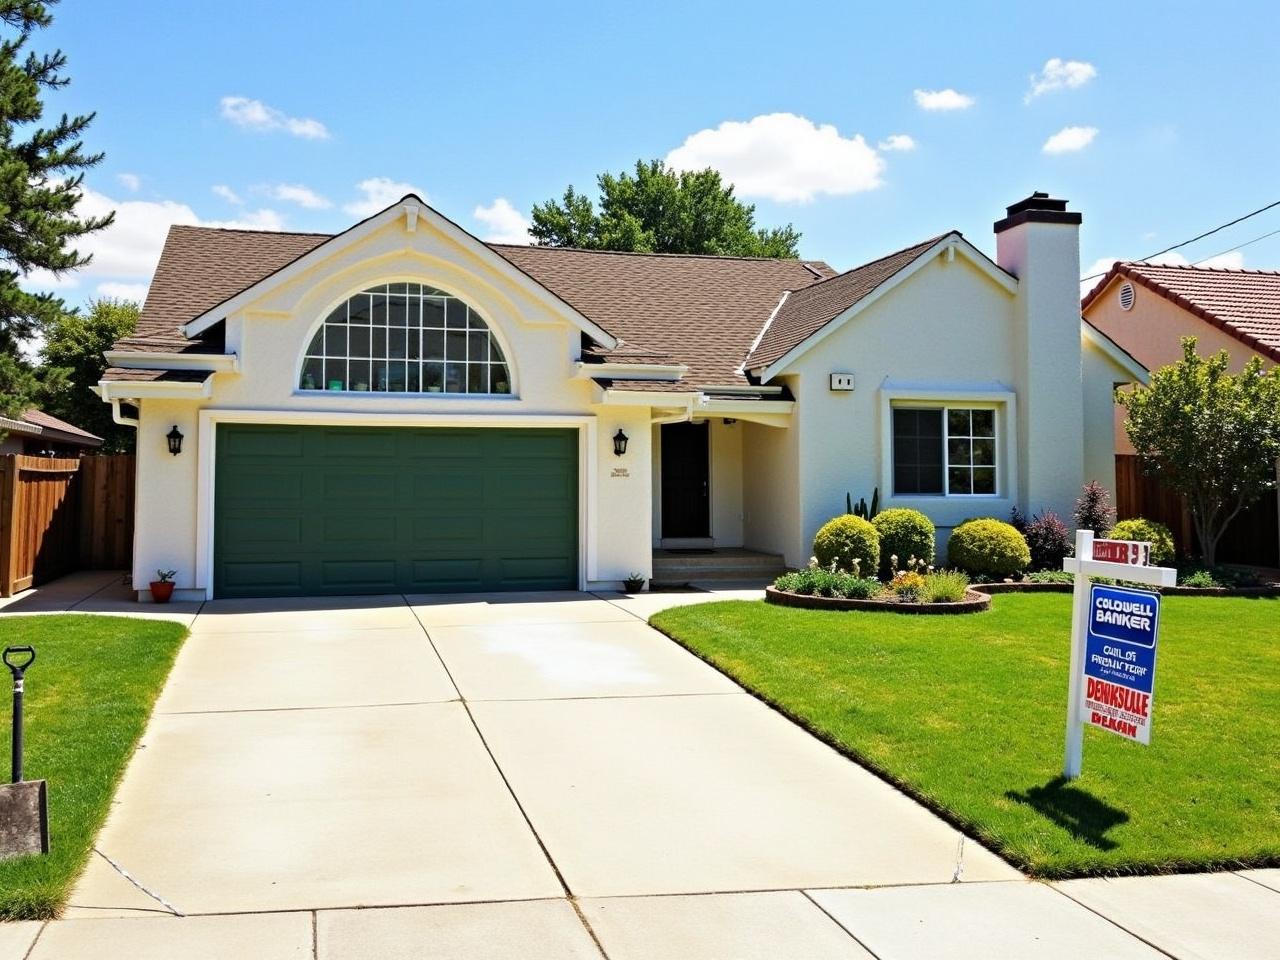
{"x": 1039, "y": 243}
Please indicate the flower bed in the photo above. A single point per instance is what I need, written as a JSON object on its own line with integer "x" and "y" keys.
{"x": 973, "y": 602}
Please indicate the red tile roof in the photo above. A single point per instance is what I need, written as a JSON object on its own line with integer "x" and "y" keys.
{"x": 1243, "y": 303}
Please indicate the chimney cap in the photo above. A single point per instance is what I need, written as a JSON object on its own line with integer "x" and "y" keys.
{"x": 1037, "y": 208}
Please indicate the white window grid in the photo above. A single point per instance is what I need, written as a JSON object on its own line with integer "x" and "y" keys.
{"x": 404, "y": 338}
{"x": 970, "y": 465}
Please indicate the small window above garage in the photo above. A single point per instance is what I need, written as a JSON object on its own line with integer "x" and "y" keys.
{"x": 404, "y": 338}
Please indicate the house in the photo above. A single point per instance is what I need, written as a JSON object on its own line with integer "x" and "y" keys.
{"x": 403, "y": 408}
{"x": 37, "y": 434}
{"x": 1147, "y": 309}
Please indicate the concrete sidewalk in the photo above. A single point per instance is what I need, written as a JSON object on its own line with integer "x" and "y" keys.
{"x": 546, "y": 776}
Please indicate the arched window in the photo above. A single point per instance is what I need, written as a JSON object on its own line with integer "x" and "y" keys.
{"x": 405, "y": 338}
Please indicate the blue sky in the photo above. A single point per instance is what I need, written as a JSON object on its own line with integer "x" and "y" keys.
{"x": 1157, "y": 121}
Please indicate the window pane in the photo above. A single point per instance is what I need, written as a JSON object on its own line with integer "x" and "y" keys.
{"x": 958, "y": 452}
{"x": 396, "y": 343}
{"x": 433, "y": 312}
{"x": 456, "y": 316}
{"x": 455, "y": 346}
{"x": 501, "y": 379}
{"x": 958, "y": 423}
{"x": 379, "y": 311}
{"x": 984, "y": 480}
{"x": 984, "y": 453}
{"x": 360, "y": 375}
{"x": 433, "y": 345}
{"x": 413, "y": 344}
{"x": 478, "y": 346}
{"x": 396, "y": 376}
{"x": 414, "y": 383}
{"x": 917, "y": 451}
{"x": 312, "y": 375}
{"x": 335, "y": 340}
{"x": 959, "y": 480}
{"x": 432, "y": 377}
{"x": 359, "y": 315}
{"x": 379, "y": 345}
{"x": 335, "y": 374}
{"x": 455, "y": 377}
{"x": 478, "y": 377}
{"x": 397, "y": 310}
{"x": 359, "y": 342}
{"x": 316, "y": 347}
{"x": 399, "y": 288}
{"x": 984, "y": 423}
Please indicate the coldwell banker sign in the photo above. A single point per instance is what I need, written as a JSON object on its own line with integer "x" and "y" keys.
{"x": 1120, "y": 660}
{"x": 1113, "y": 642}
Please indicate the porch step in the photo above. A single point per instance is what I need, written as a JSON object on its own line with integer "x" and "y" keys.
{"x": 685, "y": 566}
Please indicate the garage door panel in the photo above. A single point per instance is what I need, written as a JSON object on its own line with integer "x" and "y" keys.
{"x": 374, "y": 510}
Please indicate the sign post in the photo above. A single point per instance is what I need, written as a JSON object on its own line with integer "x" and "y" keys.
{"x": 1113, "y": 642}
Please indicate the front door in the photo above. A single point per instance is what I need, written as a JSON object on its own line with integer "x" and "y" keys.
{"x": 686, "y": 480}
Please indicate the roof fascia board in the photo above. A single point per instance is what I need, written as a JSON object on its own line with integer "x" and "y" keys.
{"x": 1112, "y": 350}
{"x": 648, "y": 398}
{"x": 952, "y": 241}
{"x": 631, "y": 371}
{"x": 168, "y": 360}
{"x": 407, "y": 207}
{"x": 110, "y": 390}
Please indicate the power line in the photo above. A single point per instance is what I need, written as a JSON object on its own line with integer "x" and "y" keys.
{"x": 1207, "y": 233}
{"x": 1238, "y": 246}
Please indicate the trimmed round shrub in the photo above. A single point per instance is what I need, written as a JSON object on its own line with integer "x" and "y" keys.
{"x": 904, "y": 534}
{"x": 988, "y": 548}
{"x": 845, "y": 539}
{"x": 1158, "y": 535}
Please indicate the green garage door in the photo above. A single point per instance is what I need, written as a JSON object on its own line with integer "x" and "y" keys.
{"x": 307, "y": 511}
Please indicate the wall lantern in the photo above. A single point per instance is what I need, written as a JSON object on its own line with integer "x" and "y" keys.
{"x": 619, "y": 443}
{"x": 174, "y": 437}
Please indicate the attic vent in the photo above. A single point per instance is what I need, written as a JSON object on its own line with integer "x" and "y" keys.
{"x": 1126, "y": 296}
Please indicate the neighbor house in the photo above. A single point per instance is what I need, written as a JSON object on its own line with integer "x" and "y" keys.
{"x": 404, "y": 408}
{"x": 1147, "y": 309}
{"x": 39, "y": 434}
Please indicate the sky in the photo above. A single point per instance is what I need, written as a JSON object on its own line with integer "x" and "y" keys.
{"x": 867, "y": 126}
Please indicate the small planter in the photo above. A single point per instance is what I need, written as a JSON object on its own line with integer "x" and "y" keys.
{"x": 973, "y": 602}
{"x": 161, "y": 590}
{"x": 633, "y": 584}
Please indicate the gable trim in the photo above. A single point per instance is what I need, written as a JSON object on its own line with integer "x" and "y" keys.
{"x": 949, "y": 244}
{"x": 414, "y": 210}
{"x": 1114, "y": 352}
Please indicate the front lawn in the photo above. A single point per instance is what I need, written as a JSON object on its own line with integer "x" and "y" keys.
{"x": 967, "y": 713}
{"x": 88, "y": 696}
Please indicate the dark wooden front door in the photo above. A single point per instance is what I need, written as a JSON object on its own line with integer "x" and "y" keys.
{"x": 686, "y": 476}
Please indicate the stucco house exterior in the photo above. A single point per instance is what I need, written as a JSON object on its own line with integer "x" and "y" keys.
{"x": 404, "y": 408}
{"x": 1147, "y": 309}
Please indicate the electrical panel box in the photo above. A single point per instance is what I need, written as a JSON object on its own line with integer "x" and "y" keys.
{"x": 842, "y": 381}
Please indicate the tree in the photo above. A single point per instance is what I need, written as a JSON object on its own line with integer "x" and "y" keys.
{"x": 41, "y": 169}
{"x": 1210, "y": 435}
{"x": 73, "y": 363}
{"x": 659, "y": 210}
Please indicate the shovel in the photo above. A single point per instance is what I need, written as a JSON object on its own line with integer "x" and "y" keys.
{"x": 24, "y": 804}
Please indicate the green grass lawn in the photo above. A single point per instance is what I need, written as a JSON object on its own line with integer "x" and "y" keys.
{"x": 967, "y": 713}
{"x": 88, "y": 697}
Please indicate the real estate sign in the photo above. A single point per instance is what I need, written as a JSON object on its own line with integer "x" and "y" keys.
{"x": 1120, "y": 660}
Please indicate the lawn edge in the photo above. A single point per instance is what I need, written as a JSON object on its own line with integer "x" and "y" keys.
{"x": 44, "y": 908}
{"x": 968, "y": 827}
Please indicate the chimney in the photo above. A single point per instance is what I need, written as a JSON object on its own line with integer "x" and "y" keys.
{"x": 1039, "y": 243}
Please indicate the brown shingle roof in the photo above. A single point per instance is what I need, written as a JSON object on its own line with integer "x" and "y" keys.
{"x": 47, "y": 422}
{"x": 808, "y": 310}
{"x": 1244, "y": 303}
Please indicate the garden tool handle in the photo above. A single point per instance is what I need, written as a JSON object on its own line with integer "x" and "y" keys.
{"x": 15, "y": 667}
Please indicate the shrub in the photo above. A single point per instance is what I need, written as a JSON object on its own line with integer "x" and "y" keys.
{"x": 1199, "y": 578}
{"x": 944, "y": 586}
{"x": 1093, "y": 509}
{"x": 906, "y": 585}
{"x": 1147, "y": 531}
{"x": 903, "y": 534}
{"x": 1051, "y": 576}
{"x": 1049, "y": 541}
{"x": 815, "y": 581}
{"x": 988, "y": 548}
{"x": 849, "y": 542}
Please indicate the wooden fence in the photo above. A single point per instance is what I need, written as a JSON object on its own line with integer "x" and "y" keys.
{"x": 1252, "y": 538}
{"x": 60, "y": 515}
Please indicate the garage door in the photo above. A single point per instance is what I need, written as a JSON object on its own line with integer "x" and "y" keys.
{"x": 309, "y": 511}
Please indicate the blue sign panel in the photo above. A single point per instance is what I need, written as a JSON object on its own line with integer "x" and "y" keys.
{"x": 1120, "y": 659}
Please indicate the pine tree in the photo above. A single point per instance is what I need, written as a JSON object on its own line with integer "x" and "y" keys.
{"x": 41, "y": 169}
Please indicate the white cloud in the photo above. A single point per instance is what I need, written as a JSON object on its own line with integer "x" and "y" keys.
{"x": 1059, "y": 74}
{"x": 943, "y": 100}
{"x": 123, "y": 291}
{"x": 782, "y": 157}
{"x": 130, "y": 181}
{"x": 504, "y": 223}
{"x": 379, "y": 193}
{"x": 227, "y": 194}
{"x": 897, "y": 141}
{"x": 1070, "y": 140}
{"x": 301, "y": 195}
{"x": 255, "y": 115}
{"x": 47, "y": 281}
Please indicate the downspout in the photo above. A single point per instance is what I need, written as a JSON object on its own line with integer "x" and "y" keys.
{"x": 119, "y": 417}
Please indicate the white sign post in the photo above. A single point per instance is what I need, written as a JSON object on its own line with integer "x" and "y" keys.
{"x": 1120, "y": 560}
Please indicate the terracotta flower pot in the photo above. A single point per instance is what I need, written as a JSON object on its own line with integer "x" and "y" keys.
{"x": 161, "y": 590}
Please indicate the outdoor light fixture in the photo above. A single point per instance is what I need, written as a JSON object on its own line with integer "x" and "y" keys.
{"x": 174, "y": 437}
{"x": 619, "y": 443}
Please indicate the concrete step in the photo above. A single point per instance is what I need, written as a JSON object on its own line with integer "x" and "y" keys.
{"x": 674, "y": 568}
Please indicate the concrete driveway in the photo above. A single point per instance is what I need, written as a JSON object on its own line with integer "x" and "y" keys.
{"x": 532, "y": 776}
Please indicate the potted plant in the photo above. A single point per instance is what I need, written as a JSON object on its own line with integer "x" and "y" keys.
{"x": 634, "y": 583}
{"x": 162, "y": 587}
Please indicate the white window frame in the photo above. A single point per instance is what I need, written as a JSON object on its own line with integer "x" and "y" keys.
{"x": 994, "y": 396}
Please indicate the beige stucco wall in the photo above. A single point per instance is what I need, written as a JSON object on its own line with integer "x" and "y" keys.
{"x": 1100, "y": 379}
{"x": 770, "y": 490}
{"x": 270, "y": 334}
{"x": 1152, "y": 332}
